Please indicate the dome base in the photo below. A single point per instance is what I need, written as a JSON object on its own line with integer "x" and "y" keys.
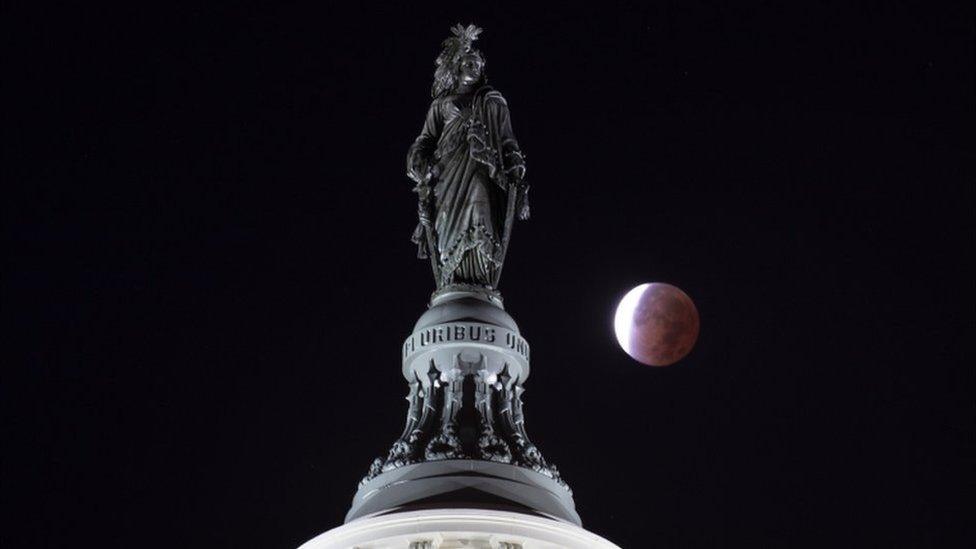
{"x": 454, "y": 528}
{"x": 464, "y": 483}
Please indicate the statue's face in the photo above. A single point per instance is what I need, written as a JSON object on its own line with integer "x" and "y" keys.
{"x": 469, "y": 71}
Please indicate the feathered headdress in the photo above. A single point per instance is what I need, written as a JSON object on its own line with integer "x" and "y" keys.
{"x": 445, "y": 76}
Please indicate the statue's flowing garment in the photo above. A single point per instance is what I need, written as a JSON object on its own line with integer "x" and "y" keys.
{"x": 470, "y": 141}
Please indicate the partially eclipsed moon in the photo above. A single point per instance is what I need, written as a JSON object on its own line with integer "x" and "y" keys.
{"x": 656, "y": 324}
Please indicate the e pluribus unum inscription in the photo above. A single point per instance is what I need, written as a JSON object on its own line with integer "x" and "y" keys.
{"x": 458, "y": 333}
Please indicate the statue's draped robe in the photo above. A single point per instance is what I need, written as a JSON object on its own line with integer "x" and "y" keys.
{"x": 470, "y": 141}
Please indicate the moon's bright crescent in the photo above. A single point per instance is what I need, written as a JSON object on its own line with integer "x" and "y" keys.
{"x": 623, "y": 320}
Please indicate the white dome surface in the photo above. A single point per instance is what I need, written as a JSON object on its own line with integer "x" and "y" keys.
{"x": 458, "y": 529}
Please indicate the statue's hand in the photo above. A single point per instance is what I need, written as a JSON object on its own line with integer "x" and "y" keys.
{"x": 518, "y": 172}
{"x": 415, "y": 176}
{"x": 417, "y": 170}
{"x": 515, "y": 163}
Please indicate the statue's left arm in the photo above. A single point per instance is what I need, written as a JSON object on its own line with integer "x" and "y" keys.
{"x": 511, "y": 158}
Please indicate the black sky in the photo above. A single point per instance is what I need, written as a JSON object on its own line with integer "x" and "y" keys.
{"x": 208, "y": 270}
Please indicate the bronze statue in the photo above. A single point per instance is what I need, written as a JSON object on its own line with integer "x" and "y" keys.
{"x": 466, "y": 361}
{"x": 469, "y": 173}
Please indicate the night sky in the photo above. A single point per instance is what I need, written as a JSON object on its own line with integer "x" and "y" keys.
{"x": 208, "y": 272}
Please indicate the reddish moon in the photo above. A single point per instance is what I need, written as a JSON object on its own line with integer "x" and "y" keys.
{"x": 656, "y": 324}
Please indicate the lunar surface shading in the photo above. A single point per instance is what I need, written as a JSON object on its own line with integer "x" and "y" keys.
{"x": 656, "y": 324}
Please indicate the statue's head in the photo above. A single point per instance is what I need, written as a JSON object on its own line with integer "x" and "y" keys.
{"x": 459, "y": 63}
{"x": 470, "y": 68}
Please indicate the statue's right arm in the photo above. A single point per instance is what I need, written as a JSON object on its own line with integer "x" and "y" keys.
{"x": 421, "y": 153}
